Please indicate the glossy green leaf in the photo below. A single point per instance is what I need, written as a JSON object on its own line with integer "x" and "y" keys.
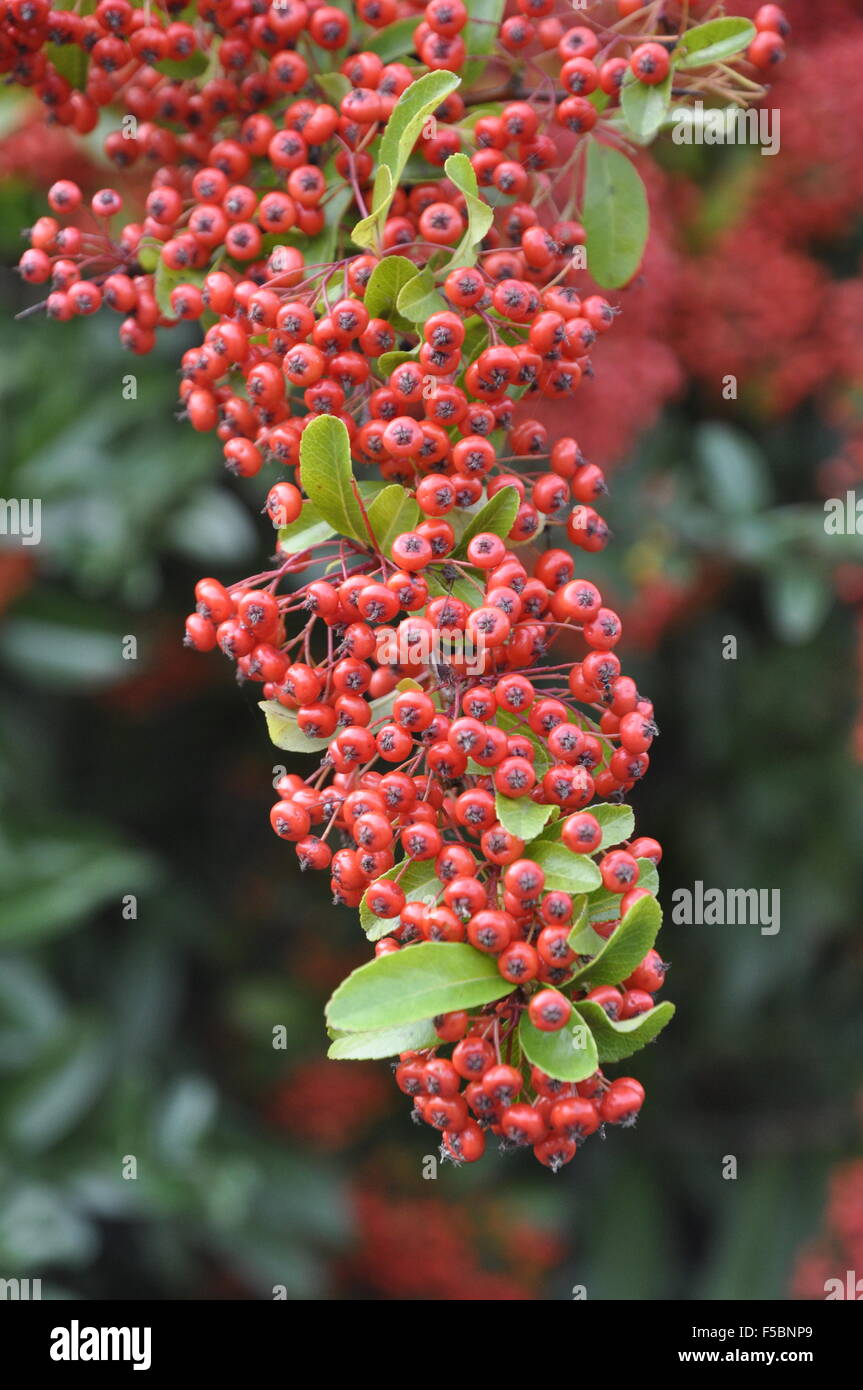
{"x": 389, "y": 276}
{"x": 480, "y": 215}
{"x": 521, "y": 816}
{"x": 388, "y": 361}
{"x": 468, "y": 585}
{"x": 419, "y": 883}
{"x": 285, "y": 732}
{"x": 309, "y": 529}
{"x": 645, "y": 106}
{"x": 582, "y": 938}
{"x": 617, "y": 822}
{"x": 498, "y": 516}
{"x": 614, "y": 1041}
{"x": 416, "y": 983}
{"x": 391, "y": 513}
{"x": 564, "y": 871}
{"x": 480, "y": 34}
{"x": 365, "y": 233}
{"x": 327, "y": 476}
{"x": 626, "y": 947}
{"x": 334, "y": 85}
{"x": 383, "y": 1042}
{"x": 413, "y": 108}
{"x": 568, "y": 1054}
{"x": 394, "y": 41}
{"x": 615, "y": 216}
{"x": 604, "y": 906}
{"x": 410, "y": 113}
{"x": 165, "y": 281}
{"x": 69, "y": 61}
{"x": 714, "y": 42}
{"x": 419, "y": 298}
{"x": 182, "y": 69}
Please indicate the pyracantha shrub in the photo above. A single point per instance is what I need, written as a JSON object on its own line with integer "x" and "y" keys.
{"x": 392, "y": 222}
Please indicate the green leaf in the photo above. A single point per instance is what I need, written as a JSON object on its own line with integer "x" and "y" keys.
{"x": 615, "y": 216}
{"x": 615, "y": 1041}
{"x": 70, "y": 62}
{"x": 182, "y": 69}
{"x": 327, "y": 476}
{"x": 521, "y": 816}
{"x": 469, "y": 585}
{"x": 480, "y": 215}
{"x": 617, "y": 822}
{"x": 648, "y": 875}
{"x": 308, "y": 530}
{"x": 365, "y": 233}
{"x": 413, "y": 108}
{"x": 388, "y": 277}
{"x": 165, "y": 280}
{"x": 498, "y": 516}
{"x": 480, "y": 33}
{"x": 645, "y": 106}
{"x": 626, "y": 947}
{"x": 564, "y": 871}
{"x": 148, "y": 253}
{"x": 394, "y": 40}
{"x": 419, "y": 883}
{"x": 604, "y": 905}
{"x": 568, "y": 1054}
{"x": 388, "y": 361}
{"x": 57, "y": 877}
{"x": 733, "y": 468}
{"x": 334, "y": 85}
{"x": 52, "y": 1098}
{"x": 392, "y": 512}
{"x": 582, "y": 938}
{"x": 714, "y": 42}
{"x": 419, "y": 298}
{"x": 416, "y": 983}
{"x": 799, "y": 597}
{"x": 383, "y": 1042}
{"x": 284, "y": 731}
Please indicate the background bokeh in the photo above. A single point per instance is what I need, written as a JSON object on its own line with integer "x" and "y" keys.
{"x": 150, "y": 1035}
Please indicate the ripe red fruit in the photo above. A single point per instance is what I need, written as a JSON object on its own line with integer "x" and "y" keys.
{"x": 549, "y": 1010}
{"x": 650, "y": 63}
{"x": 521, "y": 1124}
{"x": 622, "y": 1101}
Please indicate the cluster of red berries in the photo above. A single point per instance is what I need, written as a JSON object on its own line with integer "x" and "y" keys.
{"x": 559, "y": 1118}
{"x": 420, "y": 663}
{"x": 419, "y": 753}
{"x": 523, "y": 1105}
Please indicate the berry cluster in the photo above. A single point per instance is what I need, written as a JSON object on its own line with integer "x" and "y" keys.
{"x": 398, "y": 631}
